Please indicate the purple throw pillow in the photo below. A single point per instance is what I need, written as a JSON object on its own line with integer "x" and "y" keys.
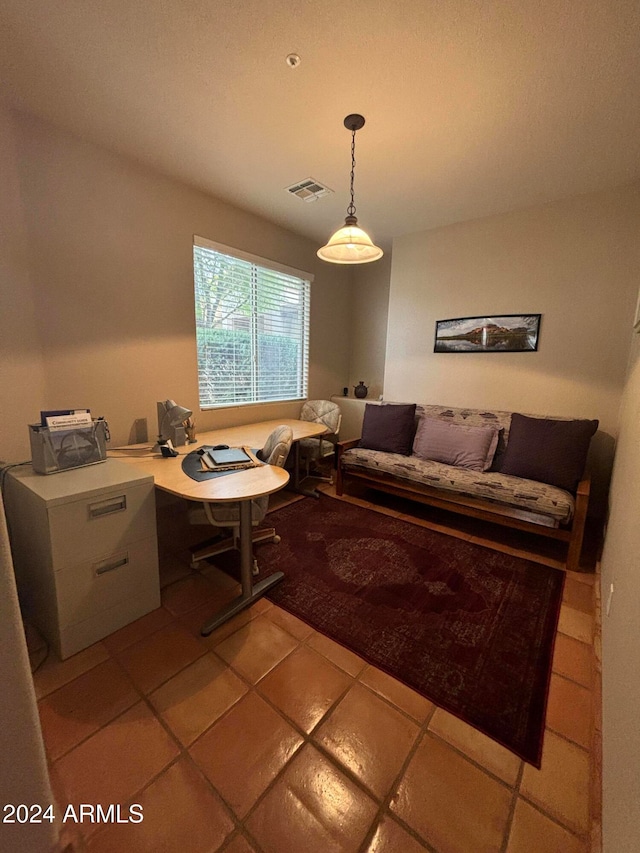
{"x": 548, "y": 450}
{"x": 389, "y": 427}
{"x": 454, "y": 444}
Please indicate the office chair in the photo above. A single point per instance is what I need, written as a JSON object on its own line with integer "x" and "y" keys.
{"x": 227, "y": 515}
{"x": 319, "y": 448}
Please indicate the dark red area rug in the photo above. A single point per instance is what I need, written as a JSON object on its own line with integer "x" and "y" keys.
{"x": 469, "y": 628}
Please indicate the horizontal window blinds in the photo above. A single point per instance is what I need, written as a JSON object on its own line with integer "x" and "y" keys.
{"x": 252, "y": 329}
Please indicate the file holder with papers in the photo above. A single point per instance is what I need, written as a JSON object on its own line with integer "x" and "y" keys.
{"x": 59, "y": 450}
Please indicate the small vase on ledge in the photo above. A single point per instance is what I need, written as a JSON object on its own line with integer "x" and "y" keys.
{"x": 360, "y": 390}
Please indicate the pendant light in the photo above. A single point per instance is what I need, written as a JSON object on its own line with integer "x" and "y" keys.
{"x": 350, "y": 244}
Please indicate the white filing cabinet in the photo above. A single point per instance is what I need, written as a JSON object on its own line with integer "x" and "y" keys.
{"x": 85, "y": 550}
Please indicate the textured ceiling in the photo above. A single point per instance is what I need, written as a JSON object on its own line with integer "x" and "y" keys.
{"x": 472, "y": 108}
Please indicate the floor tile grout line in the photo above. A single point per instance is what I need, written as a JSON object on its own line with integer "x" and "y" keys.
{"x": 519, "y": 777}
{"x": 512, "y": 810}
{"x": 251, "y": 686}
{"x": 105, "y": 724}
{"x": 332, "y": 662}
{"x": 583, "y": 836}
{"x": 321, "y": 721}
{"x": 587, "y": 643}
{"x": 571, "y": 680}
{"x": 238, "y": 832}
{"x": 309, "y": 741}
{"x": 553, "y": 818}
{"x": 377, "y": 822}
{"x": 272, "y": 784}
{"x": 567, "y": 739}
{"x": 183, "y": 753}
{"x": 390, "y": 702}
{"x": 113, "y": 652}
{"x": 245, "y": 677}
{"x": 173, "y": 675}
{"x": 41, "y": 696}
{"x": 474, "y": 762}
{"x": 252, "y": 839}
{"x": 132, "y": 798}
{"x": 385, "y": 804}
{"x": 237, "y": 823}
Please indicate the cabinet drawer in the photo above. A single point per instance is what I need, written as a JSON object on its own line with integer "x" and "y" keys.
{"x": 83, "y": 634}
{"x": 95, "y": 585}
{"x": 82, "y": 529}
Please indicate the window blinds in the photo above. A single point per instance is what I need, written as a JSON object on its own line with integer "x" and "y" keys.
{"x": 252, "y": 327}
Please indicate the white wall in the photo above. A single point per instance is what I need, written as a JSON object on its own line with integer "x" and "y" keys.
{"x": 621, "y": 634}
{"x": 110, "y": 262}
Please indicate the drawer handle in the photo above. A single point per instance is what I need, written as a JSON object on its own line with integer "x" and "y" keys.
{"x": 118, "y": 504}
{"x": 111, "y": 565}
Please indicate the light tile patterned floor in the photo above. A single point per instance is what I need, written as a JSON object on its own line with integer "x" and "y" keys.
{"x": 269, "y": 737}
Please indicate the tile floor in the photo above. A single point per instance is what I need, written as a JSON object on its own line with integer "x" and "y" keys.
{"x": 267, "y": 736}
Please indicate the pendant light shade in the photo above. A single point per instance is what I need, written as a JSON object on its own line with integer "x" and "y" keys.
{"x": 350, "y": 244}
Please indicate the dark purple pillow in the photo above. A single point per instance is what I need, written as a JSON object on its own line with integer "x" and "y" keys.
{"x": 389, "y": 427}
{"x": 548, "y": 450}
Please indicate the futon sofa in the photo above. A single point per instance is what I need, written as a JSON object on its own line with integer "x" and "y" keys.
{"x": 521, "y": 471}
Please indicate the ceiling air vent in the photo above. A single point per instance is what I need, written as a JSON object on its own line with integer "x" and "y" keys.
{"x": 308, "y": 190}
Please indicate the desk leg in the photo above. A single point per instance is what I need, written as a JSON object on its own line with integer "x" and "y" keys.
{"x": 250, "y": 592}
{"x": 296, "y": 487}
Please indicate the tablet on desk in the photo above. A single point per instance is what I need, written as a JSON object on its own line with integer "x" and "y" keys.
{"x": 231, "y": 456}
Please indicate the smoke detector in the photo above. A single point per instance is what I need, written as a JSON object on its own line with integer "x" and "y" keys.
{"x": 308, "y": 190}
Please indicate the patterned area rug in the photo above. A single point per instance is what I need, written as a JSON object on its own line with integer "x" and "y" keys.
{"x": 467, "y": 627}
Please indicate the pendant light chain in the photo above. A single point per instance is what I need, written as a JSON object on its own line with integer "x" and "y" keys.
{"x": 351, "y": 210}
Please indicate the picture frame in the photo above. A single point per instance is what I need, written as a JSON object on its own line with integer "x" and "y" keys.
{"x": 636, "y": 318}
{"x": 490, "y": 333}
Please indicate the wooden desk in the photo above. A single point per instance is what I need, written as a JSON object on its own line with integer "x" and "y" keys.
{"x": 241, "y": 486}
{"x": 255, "y": 435}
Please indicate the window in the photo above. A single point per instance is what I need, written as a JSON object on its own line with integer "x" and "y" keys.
{"x": 252, "y": 327}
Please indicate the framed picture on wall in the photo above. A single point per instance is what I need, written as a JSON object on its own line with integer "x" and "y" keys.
{"x": 636, "y": 319}
{"x": 500, "y": 333}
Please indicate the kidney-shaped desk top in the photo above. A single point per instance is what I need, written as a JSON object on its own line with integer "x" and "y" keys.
{"x": 241, "y": 486}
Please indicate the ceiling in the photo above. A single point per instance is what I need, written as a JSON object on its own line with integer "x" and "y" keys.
{"x": 472, "y": 107}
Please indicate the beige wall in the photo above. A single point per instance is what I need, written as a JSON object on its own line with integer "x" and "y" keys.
{"x": 572, "y": 261}
{"x": 110, "y": 261}
{"x": 24, "y": 777}
{"x": 620, "y": 634}
{"x": 369, "y": 325}
{"x": 21, "y": 362}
